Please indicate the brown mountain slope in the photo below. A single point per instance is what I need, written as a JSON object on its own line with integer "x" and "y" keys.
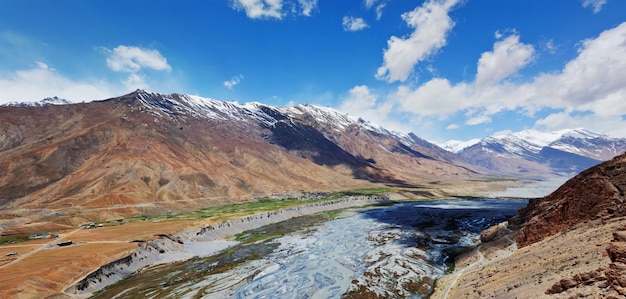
{"x": 572, "y": 244}
{"x": 595, "y": 193}
{"x": 153, "y": 153}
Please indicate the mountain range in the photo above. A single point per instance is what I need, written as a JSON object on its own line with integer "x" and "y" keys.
{"x": 153, "y": 153}
{"x": 146, "y": 152}
{"x": 539, "y": 154}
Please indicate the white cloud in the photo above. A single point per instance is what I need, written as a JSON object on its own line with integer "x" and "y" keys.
{"x": 588, "y": 92}
{"x": 507, "y": 57}
{"x": 435, "y": 98}
{"x": 307, "y": 6}
{"x": 233, "y": 81}
{"x": 431, "y": 24}
{"x": 362, "y": 102}
{"x": 42, "y": 81}
{"x": 133, "y": 59}
{"x": 551, "y": 47}
{"x": 274, "y": 9}
{"x": 370, "y": 3}
{"x": 259, "y": 9}
{"x": 596, "y": 4}
{"x": 379, "y": 8}
{"x": 43, "y": 66}
{"x": 452, "y": 127}
{"x": 353, "y": 24}
{"x": 136, "y": 81}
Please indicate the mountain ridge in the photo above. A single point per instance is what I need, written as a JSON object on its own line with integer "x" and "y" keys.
{"x": 147, "y": 152}
{"x": 541, "y": 154}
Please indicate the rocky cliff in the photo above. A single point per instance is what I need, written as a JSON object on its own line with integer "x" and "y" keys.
{"x": 596, "y": 193}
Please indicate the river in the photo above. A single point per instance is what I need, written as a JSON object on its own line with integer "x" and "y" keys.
{"x": 394, "y": 252}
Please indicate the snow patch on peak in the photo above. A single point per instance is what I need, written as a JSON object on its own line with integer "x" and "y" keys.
{"x": 44, "y": 102}
{"x": 581, "y": 133}
{"x": 455, "y": 146}
{"x": 529, "y": 136}
{"x": 267, "y": 115}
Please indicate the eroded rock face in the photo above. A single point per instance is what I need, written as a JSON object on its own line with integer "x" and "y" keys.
{"x": 616, "y": 273}
{"x": 494, "y": 232}
{"x": 610, "y": 280}
{"x": 595, "y": 193}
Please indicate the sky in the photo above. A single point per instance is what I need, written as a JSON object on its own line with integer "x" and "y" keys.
{"x": 442, "y": 69}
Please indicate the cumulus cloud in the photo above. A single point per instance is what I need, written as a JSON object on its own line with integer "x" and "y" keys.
{"x": 233, "y": 81}
{"x": 42, "y": 81}
{"x": 136, "y": 81}
{"x": 274, "y": 9}
{"x": 436, "y": 98}
{"x": 590, "y": 89}
{"x": 507, "y": 57}
{"x": 595, "y": 4}
{"x": 363, "y": 102}
{"x": 353, "y": 24}
{"x": 133, "y": 59}
{"x": 431, "y": 25}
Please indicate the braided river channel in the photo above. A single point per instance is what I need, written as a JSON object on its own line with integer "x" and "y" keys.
{"x": 394, "y": 251}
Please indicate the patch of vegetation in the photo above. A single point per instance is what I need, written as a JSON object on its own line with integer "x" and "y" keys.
{"x": 450, "y": 266}
{"x": 364, "y": 191}
{"x": 494, "y": 179}
{"x": 13, "y": 239}
{"x": 230, "y": 211}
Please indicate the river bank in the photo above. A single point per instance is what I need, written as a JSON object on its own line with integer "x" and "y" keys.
{"x": 202, "y": 242}
{"x": 393, "y": 252}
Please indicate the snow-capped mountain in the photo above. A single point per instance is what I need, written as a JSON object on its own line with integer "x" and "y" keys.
{"x": 183, "y": 150}
{"x": 326, "y": 120}
{"x": 44, "y": 102}
{"x": 566, "y": 151}
{"x": 268, "y": 115}
{"x": 456, "y": 146}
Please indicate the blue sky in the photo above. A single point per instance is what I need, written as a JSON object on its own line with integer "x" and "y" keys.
{"x": 443, "y": 69}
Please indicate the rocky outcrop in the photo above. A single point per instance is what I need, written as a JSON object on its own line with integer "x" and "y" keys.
{"x": 610, "y": 280}
{"x": 596, "y": 193}
{"x": 581, "y": 279}
{"x": 495, "y": 232}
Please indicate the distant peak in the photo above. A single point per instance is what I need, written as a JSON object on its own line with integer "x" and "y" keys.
{"x": 456, "y": 146}
{"x": 45, "y": 102}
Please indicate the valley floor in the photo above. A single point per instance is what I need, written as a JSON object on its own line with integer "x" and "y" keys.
{"x": 39, "y": 268}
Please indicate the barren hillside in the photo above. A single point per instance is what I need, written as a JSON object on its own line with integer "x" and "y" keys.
{"x": 572, "y": 244}
{"x": 153, "y": 153}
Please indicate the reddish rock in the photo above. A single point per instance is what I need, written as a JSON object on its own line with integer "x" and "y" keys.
{"x": 596, "y": 193}
{"x": 617, "y": 252}
{"x": 619, "y": 236}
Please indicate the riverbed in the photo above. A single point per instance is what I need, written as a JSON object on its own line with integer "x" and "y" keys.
{"x": 393, "y": 251}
